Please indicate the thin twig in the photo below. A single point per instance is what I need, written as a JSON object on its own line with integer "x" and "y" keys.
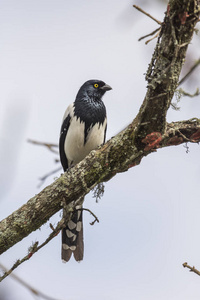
{"x": 152, "y": 33}
{"x": 192, "y": 269}
{"x": 50, "y": 146}
{"x": 148, "y": 15}
{"x": 157, "y": 31}
{"x": 95, "y": 217}
{"x": 33, "y": 249}
{"x": 43, "y": 178}
{"x": 28, "y": 286}
{"x": 185, "y": 138}
{"x": 154, "y": 37}
{"x": 196, "y": 64}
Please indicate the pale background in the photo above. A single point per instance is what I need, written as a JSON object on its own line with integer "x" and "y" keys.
{"x": 149, "y": 216}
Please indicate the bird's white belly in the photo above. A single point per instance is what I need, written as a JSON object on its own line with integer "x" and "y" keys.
{"x": 75, "y": 149}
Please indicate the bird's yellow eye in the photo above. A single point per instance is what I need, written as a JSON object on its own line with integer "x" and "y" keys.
{"x": 96, "y": 85}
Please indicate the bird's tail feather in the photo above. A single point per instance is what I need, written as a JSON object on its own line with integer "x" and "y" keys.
{"x": 72, "y": 236}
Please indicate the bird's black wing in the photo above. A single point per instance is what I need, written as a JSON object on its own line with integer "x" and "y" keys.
{"x": 105, "y": 134}
{"x": 63, "y": 134}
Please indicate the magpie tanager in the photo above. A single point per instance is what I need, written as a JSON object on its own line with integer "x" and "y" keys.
{"x": 83, "y": 130}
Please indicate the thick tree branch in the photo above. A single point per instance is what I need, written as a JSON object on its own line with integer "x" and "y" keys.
{"x": 146, "y": 133}
{"x": 117, "y": 155}
{"x": 164, "y": 70}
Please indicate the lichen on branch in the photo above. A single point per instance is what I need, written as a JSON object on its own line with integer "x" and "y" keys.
{"x": 148, "y": 131}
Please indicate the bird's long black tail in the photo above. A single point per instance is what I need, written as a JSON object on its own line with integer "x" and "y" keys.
{"x": 72, "y": 236}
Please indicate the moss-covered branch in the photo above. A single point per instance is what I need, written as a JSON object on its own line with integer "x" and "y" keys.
{"x": 148, "y": 131}
{"x": 117, "y": 155}
{"x": 164, "y": 70}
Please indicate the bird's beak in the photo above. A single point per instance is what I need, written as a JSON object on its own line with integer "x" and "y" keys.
{"x": 106, "y": 87}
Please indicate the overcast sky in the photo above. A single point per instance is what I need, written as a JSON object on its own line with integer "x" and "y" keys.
{"x": 149, "y": 216}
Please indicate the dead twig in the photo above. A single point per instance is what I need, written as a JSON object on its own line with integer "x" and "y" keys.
{"x": 147, "y": 35}
{"x": 196, "y": 64}
{"x": 51, "y": 147}
{"x": 43, "y": 178}
{"x": 154, "y": 37}
{"x": 33, "y": 249}
{"x": 192, "y": 269}
{"x": 48, "y": 145}
{"x": 155, "y": 32}
{"x": 148, "y": 15}
{"x": 27, "y": 285}
{"x": 95, "y": 217}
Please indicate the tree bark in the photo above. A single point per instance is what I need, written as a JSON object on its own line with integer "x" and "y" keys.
{"x": 148, "y": 131}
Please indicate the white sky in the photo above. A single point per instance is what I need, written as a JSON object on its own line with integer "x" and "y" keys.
{"x": 149, "y": 216}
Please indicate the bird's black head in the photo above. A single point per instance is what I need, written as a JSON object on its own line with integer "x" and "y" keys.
{"x": 93, "y": 89}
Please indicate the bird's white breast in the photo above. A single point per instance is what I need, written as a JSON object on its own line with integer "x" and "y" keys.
{"x": 75, "y": 149}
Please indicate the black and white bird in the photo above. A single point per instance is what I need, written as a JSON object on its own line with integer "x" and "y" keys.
{"x": 83, "y": 130}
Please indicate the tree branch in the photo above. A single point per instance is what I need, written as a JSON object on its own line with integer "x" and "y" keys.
{"x": 117, "y": 155}
{"x": 148, "y": 15}
{"x": 192, "y": 269}
{"x": 33, "y": 249}
{"x": 33, "y": 290}
{"x": 49, "y": 146}
{"x": 196, "y": 64}
{"x": 148, "y": 131}
{"x": 164, "y": 70}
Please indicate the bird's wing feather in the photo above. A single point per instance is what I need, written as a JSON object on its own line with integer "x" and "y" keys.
{"x": 63, "y": 132}
{"x": 105, "y": 134}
